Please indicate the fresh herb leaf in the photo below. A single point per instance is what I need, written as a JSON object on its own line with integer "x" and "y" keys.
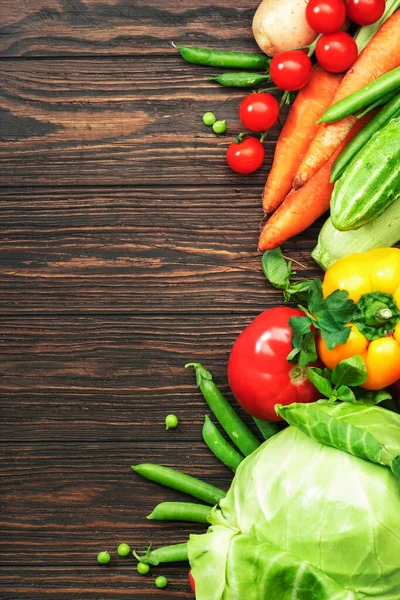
{"x": 331, "y": 315}
{"x": 372, "y": 396}
{"x": 303, "y": 341}
{"x": 298, "y": 291}
{"x": 317, "y": 378}
{"x": 351, "y": 371}
{"x": 276, "y": 269}
{"x": 345, "y": 394}
{"x": 279, "y": 273}
{"x": 308, "y": 352}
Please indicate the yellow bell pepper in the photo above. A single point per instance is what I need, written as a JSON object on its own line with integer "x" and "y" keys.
{"x": 372, "y": 279}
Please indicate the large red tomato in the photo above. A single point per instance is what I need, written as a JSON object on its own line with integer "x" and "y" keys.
{"x": 259, "y": 374}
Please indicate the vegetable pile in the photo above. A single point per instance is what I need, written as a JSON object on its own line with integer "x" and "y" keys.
{"x": 313, "y": 510}
{"x": 339, "y": 146}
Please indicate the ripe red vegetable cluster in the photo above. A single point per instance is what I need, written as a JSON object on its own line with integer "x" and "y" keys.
{"x": 257, "y": 112}
{"x": 336, "y": 50}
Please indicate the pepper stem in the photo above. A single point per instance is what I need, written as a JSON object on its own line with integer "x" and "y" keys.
{"x": 377, "y": 315}
{"x": 383, "y": 314}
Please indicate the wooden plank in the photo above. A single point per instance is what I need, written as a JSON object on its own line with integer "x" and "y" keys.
{"x": 92, "y": 583}
{"x": 122, "y": 121}
{"x": 136, "y": 250}
{"x": 95, "y": 27}
{"x": 64, "y": 503}
{"x": 113, "y": 378}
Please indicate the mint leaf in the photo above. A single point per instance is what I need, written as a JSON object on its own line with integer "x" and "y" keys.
{"x": 276, "y": 269}
{"x": 298, "y": 291}
{"x": 317, "y": 378}
{"x": 279, "y": 272}
{"x": 345, "y": 394}
{"x": 351, "y": 371}
{"x": 372, "y": 396}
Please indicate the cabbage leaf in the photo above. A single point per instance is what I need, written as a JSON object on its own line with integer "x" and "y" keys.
{"x": 305, "y": 520}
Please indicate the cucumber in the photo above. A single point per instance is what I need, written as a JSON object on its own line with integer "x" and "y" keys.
{"x": 371, "y": 182}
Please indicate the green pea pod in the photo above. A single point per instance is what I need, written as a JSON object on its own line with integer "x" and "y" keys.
{"x": 363, "y": 136}
{"x": 224, "y": 59}
{"x": 219, "y": 446}
{"x": 386, "y": 84}
{"x": 240, "y": 79}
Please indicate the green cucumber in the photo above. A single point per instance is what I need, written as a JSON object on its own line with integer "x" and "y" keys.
{"x": 371, "y": 182}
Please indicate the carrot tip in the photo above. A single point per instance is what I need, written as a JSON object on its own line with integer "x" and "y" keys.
{"x": 299, "y": 181}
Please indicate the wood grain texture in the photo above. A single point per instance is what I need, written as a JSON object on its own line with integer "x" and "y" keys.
{"x": 111, "y": 378}
{"x": 127, "y": 121}
{"x": 115, "y": 27}
{"x": 147, "y": 249}
{"x": 64, "y": 503}
{"x": 127, "y": 248}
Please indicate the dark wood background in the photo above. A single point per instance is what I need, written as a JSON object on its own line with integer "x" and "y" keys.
{"x": 127, "y": 249}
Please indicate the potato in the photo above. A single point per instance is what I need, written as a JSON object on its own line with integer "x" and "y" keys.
{"x": 280, "y": 25}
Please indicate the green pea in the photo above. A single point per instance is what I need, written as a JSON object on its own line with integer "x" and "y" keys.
{"x": 103, "y": 558}
{"x": 171, "y": 421}
{"x": 142, "y": 568}
{"x": 161, "y": 581}
{"x": 123, "y": 549}
{"x": 219, "y": 127}
{"x": 209, "y": 119}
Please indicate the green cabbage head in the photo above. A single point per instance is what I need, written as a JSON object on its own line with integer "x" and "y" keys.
{"x": 305, "y": 520}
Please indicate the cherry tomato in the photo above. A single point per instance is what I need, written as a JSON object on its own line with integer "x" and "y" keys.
{"x": 290, "y": 70}
{"x": 259, "y": 112}
{"x": 325, "y": 16}
{"x": 365, "y": 12}
{"x": 246, "y": 156}
{"x": 336, "y": 52}
{"x": 192, "y": 583}
{"x": 258, "y": 372}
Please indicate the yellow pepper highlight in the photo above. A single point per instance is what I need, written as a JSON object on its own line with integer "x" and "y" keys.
{"x": 360, "y": 275}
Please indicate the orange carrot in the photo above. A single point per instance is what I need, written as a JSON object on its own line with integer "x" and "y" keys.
{"x": 302, "y": 207}
{"x": 297, "y": 133}
{"x": 380, "y": 55}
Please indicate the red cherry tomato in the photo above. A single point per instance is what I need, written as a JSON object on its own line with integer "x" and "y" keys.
{"x": 336, "y": 52}
{"x": 325, "y": 16}
{"x": 290, "y": 70}
{"x": 259, "y": 112}
{"x": 246, "y": 156}
{"x": 365, "y": 12}
{"x": 258, "y": 372}
{"x": 192, "y": 583}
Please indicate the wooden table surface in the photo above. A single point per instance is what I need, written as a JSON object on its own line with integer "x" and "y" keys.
{"x": 127, "y": 249}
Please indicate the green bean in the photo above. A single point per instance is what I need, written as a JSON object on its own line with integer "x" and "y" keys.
{"x": 363, "y": 97}
{"x": 166, "y": 554}
{"x": 181, "y": 482}
{"x": 362, "y": 137}
{"x": 379, "y": 102}
{"x": 225, "y": 59}
{"x": 219, "y": 446}
{"x": 266, "y": 428}
{"x": 180, "y": 511}
{"x": 229, "y": 420}
{"x": 240, "y": 79}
